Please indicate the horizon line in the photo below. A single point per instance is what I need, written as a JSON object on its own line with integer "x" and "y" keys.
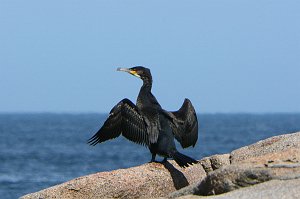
{"x": 93, "y": 112}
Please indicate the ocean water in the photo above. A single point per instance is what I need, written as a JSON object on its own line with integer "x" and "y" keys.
{"x": 42, "y": 150}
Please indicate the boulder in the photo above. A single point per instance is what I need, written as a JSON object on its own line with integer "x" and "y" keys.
{"x": 150, "y": 180}
{"x": 283, "y": 148}
{"x": 226, "y": 179}
{"x": 276, "y": 158}
{"x": 274, "y": 189}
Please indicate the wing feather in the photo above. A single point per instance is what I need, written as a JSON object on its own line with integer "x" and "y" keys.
{"x": 123, "y": 119}
{"x": 185, "y": 124}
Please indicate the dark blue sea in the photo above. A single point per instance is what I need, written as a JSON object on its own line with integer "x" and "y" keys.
{"x": 42, "y": 150}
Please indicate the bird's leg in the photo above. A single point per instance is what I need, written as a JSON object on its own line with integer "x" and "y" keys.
{"x": 153, "y": 157}
{"x": 164, "y": 160}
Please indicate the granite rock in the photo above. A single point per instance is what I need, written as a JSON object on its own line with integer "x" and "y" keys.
{"x": 226, "y": 179}
{"x": 215, "y": 162}
{"x": 274, "y": 189}
{"x": 283, "y": 147}
{"x": 150, "y": 180}
{"x": 276, "y": 158}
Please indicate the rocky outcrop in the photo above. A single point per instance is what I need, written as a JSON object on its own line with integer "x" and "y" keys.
{"x": 267, "y": 169}
{"x": 275, "y": 149}
{"x": 274, "y": 189}
{"x": 150, "y": 180}
{"x": 276, "y": 160}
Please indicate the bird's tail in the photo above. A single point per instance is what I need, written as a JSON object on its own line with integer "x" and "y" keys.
{"x": 183, "y": 160}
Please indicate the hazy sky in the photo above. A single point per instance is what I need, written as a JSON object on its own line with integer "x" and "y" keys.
{"x": 226, "y": 56}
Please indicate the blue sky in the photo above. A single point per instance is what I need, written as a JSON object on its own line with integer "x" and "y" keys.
{"x": 226, "y": 56}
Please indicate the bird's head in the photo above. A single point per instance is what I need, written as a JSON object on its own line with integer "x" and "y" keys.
{"x": 138, "y": 71}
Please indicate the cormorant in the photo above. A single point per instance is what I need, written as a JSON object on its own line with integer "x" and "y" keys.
{"x": 146, "y": 123}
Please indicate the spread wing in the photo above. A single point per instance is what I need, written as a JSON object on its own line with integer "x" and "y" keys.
{"x": 185, "y": 124}
{"x": 123, "y": 119}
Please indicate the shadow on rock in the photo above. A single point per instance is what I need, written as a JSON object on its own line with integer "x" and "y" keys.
{"x": 178, "y": 178}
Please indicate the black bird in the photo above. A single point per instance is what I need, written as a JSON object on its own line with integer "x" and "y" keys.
{"x": 146, "y": 123}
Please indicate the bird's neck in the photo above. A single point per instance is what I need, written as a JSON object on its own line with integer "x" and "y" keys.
{"x": 145, "y": 95}
{"x": 147, "y": 85}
